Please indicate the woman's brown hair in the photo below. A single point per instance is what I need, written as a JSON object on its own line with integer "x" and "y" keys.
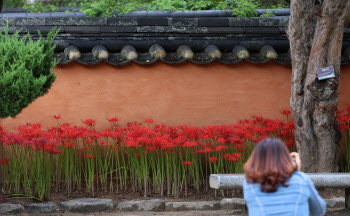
{"x": 270, "y": 164}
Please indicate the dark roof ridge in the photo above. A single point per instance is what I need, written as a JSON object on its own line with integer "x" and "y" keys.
{"x": 146, "y": 40}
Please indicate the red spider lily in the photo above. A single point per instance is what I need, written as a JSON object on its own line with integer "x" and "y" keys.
{"x": 113, "y": 120}
{"x": 208, "y": 145}
{"x": 221, "y": 141}
{"x": 150, "y": 148}
{"x": 65, "y": 124}
{"x": 187, "y": 163}
{"x": 86, "y": 148}
{"x": 56, "y": 117}
{"x": 286, "y": 112}
{"x": 220, "y": 148}
{"x": 258, "y": 119}
{"x": 90, "y": 122}
{"x": 207, "y": 150}
{"x": 89, "y": 156}
{"x": 69, "y": 144}
{"x": 190, "y": 144}
{"x": 4, "y": 161}
{"x": 198, "y": 151}
{"x": 179, "y": 142}
{"x": 233, "y": 157}
{"x": 116, "y": 147}
{"x": 290, "y": 143}
{"x": 132, "y": 143}
{"x": 88, "y": 142}
{"x": 169, "y": 150}
{"x": 213, "y": 159}
{"x": 149, "y": 121}
{"x": 103, "y": 143}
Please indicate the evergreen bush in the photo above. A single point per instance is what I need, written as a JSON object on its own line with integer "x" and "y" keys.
{"x": 25, "y": 70}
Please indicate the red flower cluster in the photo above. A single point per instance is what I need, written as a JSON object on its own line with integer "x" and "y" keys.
{"x": 57, "y": 117}
{"x": 90, "y": 122}
{"x": 344, "y": 118}
{"x": 188, "y": 163}
{"x": 213, "y": 159}
{"x": 4, "y": 161}
{"x": 89, "y": 156}
{"x": 286, "y": 112}
{"x": 233, "y": 157}
{"x": 223, "y": 141}
{"x": 150, "y": 121}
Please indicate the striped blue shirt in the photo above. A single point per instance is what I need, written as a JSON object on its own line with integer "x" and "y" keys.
{"x": 299, "y": 198}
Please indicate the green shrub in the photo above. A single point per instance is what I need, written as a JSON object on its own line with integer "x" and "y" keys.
{"x": 25, "y": 70}
{"x": 40, "y": 7}
{"x": 241, "y": 8}
{"x": 245, "y": 8}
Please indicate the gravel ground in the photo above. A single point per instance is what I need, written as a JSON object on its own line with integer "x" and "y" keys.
{"x": 144, "y": 213}
{"x": 331, "y": 212}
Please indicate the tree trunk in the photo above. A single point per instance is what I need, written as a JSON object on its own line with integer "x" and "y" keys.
{"x": 315, "y": 33}
{"x": 1, "y": 1}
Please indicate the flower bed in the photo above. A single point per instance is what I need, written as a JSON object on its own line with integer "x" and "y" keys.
{"x": 343, "y": 117}
{"x": 145, "y": 157}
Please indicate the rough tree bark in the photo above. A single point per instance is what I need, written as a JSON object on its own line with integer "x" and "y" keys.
{"x": 315, "y": 32}
{"x": 1, "y": 1}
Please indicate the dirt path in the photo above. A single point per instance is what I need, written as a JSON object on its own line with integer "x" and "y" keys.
{"x": 331, "y": 212}
{"x": 142, "y": 213}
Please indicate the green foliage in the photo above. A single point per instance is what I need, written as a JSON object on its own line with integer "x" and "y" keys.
{"x": 106, "y": 8}
{"x": 245, "y": 8}
{"x": 25, "y": 70}
{"x": 241, "y": 8}
{"x": 13, "y": 3}
{"x": 274, "y": 3}
{"x": 40, "y": 7}
{"x": 183, "y": 5}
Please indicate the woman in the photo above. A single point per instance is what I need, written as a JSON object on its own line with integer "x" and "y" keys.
{"x": 274, "y": 184}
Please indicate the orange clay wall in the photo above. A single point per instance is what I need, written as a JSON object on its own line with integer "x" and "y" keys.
{"x": 188, "y": 93}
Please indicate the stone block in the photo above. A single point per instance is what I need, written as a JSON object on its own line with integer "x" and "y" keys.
{"x": 82, "y": 29}
{"x": 184, "y": 206}
{"x": 152, "y": 21}
{"x": 144, "y": 205}
{"x": 235, "y": 21}
{"x": 76, "y": 21}
{"x": 109, "y": 29}
{"x": 269, "y": 22}
{"x": 8, "y": 208}
{"x": 180, "y": 21}
{"x": 227, "y": 30}
{"x": 48, "y": 14}
{"x": 48, "y": 207}
{"x": 122, "y": 21}
{"x": 232, "y": 203}
{"x": 87, "y": 205}
{"x": 44, "y": 29}
{"x": 213, "y": 21}
{"x": 27, "y": 21}
{"x": 14, "y": 15}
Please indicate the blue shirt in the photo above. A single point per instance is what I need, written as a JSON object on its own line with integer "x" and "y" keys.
{"x": 298, "y": 199}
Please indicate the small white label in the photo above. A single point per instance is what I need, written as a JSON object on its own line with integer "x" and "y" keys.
{"x": 325, "y": 73}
